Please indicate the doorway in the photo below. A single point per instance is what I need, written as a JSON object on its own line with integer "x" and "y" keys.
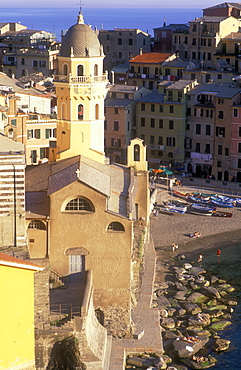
{"x": 76, "y": 268}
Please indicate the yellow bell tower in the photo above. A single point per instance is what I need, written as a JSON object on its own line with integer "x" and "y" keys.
{"x": 80, "y": 90}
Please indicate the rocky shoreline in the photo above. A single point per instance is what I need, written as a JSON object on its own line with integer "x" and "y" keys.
{"x": 194, "y": 307}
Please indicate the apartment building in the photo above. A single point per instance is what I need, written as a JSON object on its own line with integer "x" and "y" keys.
{"x": 122, "y": 44}
{"x": 28, "y": 51}
{"x": 120, "y": 120}
{"x": 163, "y": 36}
{"x": 210, "y": 112}
{"x": 12, "y": 195}
{"x": 161, "y": 122}
{"x": 146, "y": 69}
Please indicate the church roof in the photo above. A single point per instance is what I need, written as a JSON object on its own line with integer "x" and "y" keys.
{"x": 80, "y": 41}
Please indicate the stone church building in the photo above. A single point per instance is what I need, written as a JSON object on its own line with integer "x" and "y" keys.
{"x": 81, "y": 211}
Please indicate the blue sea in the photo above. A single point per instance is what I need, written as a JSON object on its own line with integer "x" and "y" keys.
{"x": 56, "y": 20}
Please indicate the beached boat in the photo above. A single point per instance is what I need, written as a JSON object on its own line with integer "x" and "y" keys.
{"x": 172, "y": 209}
{"x": 222, "y": 214}
{"x": 201, "y": 209}
{"x": 199, "y": 199}
{"x": 220, "y": 203}
{"x": 181, "y": 194}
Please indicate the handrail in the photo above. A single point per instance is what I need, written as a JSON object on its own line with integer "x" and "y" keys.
{"x": 81, "y": 79}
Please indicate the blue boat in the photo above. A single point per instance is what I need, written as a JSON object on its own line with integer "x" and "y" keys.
{"x": 220, "y": 203}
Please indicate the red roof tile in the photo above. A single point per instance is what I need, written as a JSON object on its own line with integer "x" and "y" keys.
{"x": 150, "y": 58}
{"x": 7, "y": 260}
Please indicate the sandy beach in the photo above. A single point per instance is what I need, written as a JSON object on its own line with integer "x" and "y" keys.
{"x": 216, "y": 232}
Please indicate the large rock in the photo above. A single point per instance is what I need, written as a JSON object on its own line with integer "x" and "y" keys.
{"x": 199, "y": 320}
{"x": 144, "y": 363}
{"x": 180, "y": 286}
{"x": 220, "y": 345}
{"x": 196, "y": 271}
{"x": 191, "y": 308}
{"x": 197, "y": 298}
{"x": 220, "y": 325}
{"x": 207, "y": 363}
{"x": 163, "y": 302}
{"x": 181, "y": 295}
{"x": 168, "y": 323}
{"x": 210, "y": 291}
{"x": 184, "y": 349}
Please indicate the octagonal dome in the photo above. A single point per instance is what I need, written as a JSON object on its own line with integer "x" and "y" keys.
{"x": 80, "y": 41}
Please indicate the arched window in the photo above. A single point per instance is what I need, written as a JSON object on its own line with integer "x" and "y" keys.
{"x": 136, "y": 152}
{"x": 97, "y": 111}
{"x": 65, "y": 70}
{"x": 80, "y": 70}
{"x": 80, "y": 112}
{"x": 115, "y": 226}
{"x": 79, "y": 204}
{"x": 36, "y": 224}
{"x": 96, "y": 70}
{"x": 63, "y": 111}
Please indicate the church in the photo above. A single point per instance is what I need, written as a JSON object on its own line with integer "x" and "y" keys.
{"x": 81, "y": 210}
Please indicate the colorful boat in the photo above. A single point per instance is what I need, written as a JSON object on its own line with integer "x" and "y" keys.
{"x": 222, "y": 214}
{"x": 171, "y": 209}
{"x": 220, "y": 203}
{"x": 181, "y": 194}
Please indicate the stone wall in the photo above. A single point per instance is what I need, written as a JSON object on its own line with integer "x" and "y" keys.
{"x": 41, "y": 296}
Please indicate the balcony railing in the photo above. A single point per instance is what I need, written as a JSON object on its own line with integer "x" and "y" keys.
{"x": 144, "y": 76}
{"x": 81, "y": 79}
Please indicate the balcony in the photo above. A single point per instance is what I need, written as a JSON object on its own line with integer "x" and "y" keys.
{"x": 81, "y": 79}
{"x": 145, "y": 76}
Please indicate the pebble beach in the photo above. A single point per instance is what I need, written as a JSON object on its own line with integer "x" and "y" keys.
{"x": 216, "y": 233}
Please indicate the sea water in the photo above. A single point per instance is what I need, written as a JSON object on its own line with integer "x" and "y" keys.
{"x": 57, "y": 19}
{"x": 227, "y": 266}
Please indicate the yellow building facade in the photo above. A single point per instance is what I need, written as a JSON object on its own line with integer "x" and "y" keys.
{"x": 80, "y": 89}
{"x": 17, "y": 312}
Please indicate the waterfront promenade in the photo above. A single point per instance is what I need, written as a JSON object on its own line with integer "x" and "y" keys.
{"x": 146, "y": 319}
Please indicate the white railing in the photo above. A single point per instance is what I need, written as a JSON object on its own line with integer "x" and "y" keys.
{"x": 81, "y": 79}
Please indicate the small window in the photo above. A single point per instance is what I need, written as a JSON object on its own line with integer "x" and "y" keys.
{"x": 153, "y": 122}
{"x": 171, "y": 125}
{"x": 171, "y": 109}
{"x": 79, "y": 204}
{"x": 152, "y": 107}
{"x": 143, "y": 121}
{"x": 143, "y": 106}
{"x": 160, "y": 108}
{"x": 160, "y": 123}
{"x": 208, "y": 130}
{"x": 235, "y": 112}
{"x": 116, "y": 125}
{"x": 198, "y": 129}
{"x": 130, "y": 41}
{"x": 14, "y": 122}
{"x": 119, "y": 41}
{"x": 115, "y": 226}
{"x": 116, "y": 110}
{"x": 36, "y": 224}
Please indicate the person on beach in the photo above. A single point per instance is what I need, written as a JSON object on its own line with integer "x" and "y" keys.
{"x": 174, "y": 247}
{"x": 200, "y": 258}
{"x": 218, "y": 253}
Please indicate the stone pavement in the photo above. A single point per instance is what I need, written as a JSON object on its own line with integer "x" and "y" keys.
{"x": 146, "y": 319}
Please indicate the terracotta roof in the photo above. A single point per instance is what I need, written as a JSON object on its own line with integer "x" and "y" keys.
{"x": 11, "y": 261}
{"x": 150, "y": 58}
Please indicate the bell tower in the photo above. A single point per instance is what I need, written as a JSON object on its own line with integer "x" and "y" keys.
{"x": 80, "y": 90}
